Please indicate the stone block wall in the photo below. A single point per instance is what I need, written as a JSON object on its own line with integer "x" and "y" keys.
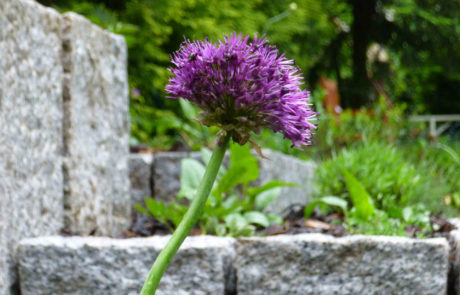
{"x": 286, "y": 168}
{"x": 317, "y": 264}
{"x": 96, "y": 128}
{"x": 299, "y": 265}
{"x": 140, "y": 176}
{"x": 63, "y": 99}
{"x": 103, "y": 266}
{"x": 30, "y": 128}
{"x": 158, "y": 176}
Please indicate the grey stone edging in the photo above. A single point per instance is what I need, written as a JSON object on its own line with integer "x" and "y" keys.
{"x": 104, "y": 266}
{"x": 317, "y": 264}
{"x": 285, "y": 264}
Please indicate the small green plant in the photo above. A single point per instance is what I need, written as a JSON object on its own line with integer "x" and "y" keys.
{"x": 234, "y": 208}
{"x": 328, "y": 201}
{"x": 382, "y": 169}
{"x": 391, "y": 219}
{"x": 440, "y": 161}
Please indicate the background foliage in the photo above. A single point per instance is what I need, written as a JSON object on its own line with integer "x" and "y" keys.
{"x": 418, "y": 37}
{"x": 389, "y": 59}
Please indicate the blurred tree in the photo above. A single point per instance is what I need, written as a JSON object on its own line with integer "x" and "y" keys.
{"x": 332, "y": 38}
{"x": 425, "y": 49}
{"x": 364, "y": 13}
{"x": 422, "y": 40}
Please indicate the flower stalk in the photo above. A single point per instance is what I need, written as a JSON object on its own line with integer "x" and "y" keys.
{"x": 189, "y": 220}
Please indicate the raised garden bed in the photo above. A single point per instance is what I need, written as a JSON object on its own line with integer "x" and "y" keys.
{"x": 284, "y": 264}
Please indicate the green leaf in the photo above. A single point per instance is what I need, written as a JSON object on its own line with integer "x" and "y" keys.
{"x": 221, "y": 230}
{"x": 192, "y": 172}
{"x": 359, "y": 196}
{"x": 246, "y": 231}
{"x": 211, "y": 225}
{"x": 187, "y": 193}
{"x": 310, "y": 208}
{"x": 206, "y": 155}
{"x": 175, "y": 211}
{"x": 257, "y": 218}
{"x": 238, "y": 226}
{"x": 155, "y": 208}
{"x": 240, "y": 156}
{"x": 235, "y": 223}
{"x": 234, "y": 176}
{"x": 407, "y": 214}
{"x": 266, "y": 197}
{"x": 253, "y": 191}
{"x": 141, "y": 209}
{"x": 230, "y": 202}
{"x": 329, "y": 201}
{"x": 188, "y": 109}
{"x": 243, "y": 170}
{"x": 275, "y": 218}
{"x": 335, "y": 201}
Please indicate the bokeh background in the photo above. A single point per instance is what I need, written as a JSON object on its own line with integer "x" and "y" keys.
{"x": 369, "y": 64}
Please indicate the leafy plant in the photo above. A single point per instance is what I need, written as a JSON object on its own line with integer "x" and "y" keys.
{"x": 383, "y": 171}
{"x": 234, "y": 208}
{"x": 328, "y": 201}
{"x": 440, "y": 162}
{"x": 382, "y": 224}
{"x": 388, "y": 190}
{"x": 163, "y": 128}
{"x": 169, "y": 215}
{"x": 359, "y": 196}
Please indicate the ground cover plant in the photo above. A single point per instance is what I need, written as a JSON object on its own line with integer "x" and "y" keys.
{"x": 403, "y": 192}
{"x": 408, "y": 175}
{"x": 233, "y": 208}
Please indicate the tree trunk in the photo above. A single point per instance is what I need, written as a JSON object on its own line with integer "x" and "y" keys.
{"x": 363, "y": 14}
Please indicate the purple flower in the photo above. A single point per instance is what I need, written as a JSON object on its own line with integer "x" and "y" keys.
{"x": 135, "y": 92}
{"x": 243, "y": 86}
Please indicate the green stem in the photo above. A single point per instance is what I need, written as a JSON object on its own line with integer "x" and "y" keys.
{"x": 189, "y": 220}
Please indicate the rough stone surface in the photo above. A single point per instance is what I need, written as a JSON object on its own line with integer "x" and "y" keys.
{"x": 455, "y": 273}
{"x": 288, "y": 169}
{"x": 31, "y": 189}
{"x": 140, "y": 175}
{"x": 102, "y": 266}
{"x": 4, "y": 199}
{"x": 455, "y": 254}
{"x": 96, "y": 129}
{"x": 166, "y": 177}
{"x": 3, "y": 245}
{"x": 318, "y": 264}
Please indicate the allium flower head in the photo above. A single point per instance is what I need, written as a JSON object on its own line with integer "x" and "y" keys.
{"x": 243, "y": 86}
